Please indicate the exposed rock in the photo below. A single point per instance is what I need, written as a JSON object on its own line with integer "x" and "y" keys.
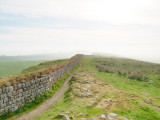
{"x": 94, "y": 119}
{"x": 76, "y": 87}
{"x": 82, "y": 115}
{"x": 84, "y": 119}
{"x": 126, "y": 118}
{"x": 112, "y": 116}
{"x": 65, "y": 117}
{"x": 84, "y": 92}
{"x": 104, "y": 116}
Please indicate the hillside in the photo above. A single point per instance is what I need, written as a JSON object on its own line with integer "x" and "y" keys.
{"x": 13, "y": 68}
{"x": 95, "y": 94}
{"x": 103, "y": 89}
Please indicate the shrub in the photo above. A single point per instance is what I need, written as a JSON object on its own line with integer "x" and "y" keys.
{"x": 107, "y": 70}
{"x": 157, "y": 71}
{"x": 122, "y": 73}
{"x": 137, "y": 76}
{"x": 100, "y": 67}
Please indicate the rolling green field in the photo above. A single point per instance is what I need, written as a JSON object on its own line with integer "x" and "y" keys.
{"x": 114, "y": 93}
{"x": 13, "y": 68}
{"x": 44, "y": 65}
{"x": 13, "y": 65}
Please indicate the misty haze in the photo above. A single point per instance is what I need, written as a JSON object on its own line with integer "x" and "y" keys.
{"x": 79, "y": 60}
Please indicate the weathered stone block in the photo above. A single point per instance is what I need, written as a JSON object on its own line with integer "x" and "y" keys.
{"x": 10, "y": 88}
{"x": 6, "y": 109}
{"x": 14, "y": 93}
{"x": 20, "y": 94}
{"x": 23, "y": 85}
{"x": 1, "y": 102}
{"x": 19, "y": 85}
{"x": 0, "y": 91}
{"x": 3, "y": 105}
{"x": 1, "y": 111}
{"x": 2, "y": 96}
{"x": 9, "y": 94}
{"x": 15, "y": 87}
{"x": 10, "y": 102}
{"x": 20, "y": 90}
{"x": 5, "y": 99}
{"x": 3, "y": 90}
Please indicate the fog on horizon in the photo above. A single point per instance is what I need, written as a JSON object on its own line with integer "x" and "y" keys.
{"x": 124, "y": 28}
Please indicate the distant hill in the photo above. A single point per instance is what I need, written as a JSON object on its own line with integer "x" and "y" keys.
{"x": 145, "y": 59}
{"x": 37, "y": 57}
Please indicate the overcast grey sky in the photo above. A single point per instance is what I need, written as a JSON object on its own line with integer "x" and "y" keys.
{"x": 129, "y": 28}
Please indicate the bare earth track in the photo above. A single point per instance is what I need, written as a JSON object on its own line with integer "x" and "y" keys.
{"x": 47, "y": 104}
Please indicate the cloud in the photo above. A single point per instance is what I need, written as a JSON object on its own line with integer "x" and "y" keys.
{"x": 42, "y": 40}
{"x": 113, "y": 11}
{"x": 128, "y": 28}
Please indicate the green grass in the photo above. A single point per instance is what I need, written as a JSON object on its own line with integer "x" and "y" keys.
{"x": 142, "y": 90}
{"x": 13, "y": 68}
{"x": 32, "y": 72}
{"x": 34, "y": 104}
{"x": 44, "y": 65}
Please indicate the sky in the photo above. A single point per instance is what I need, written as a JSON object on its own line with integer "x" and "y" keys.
{"x": 129, "y": 28}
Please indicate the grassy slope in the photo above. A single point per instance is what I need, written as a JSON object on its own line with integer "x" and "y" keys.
{"x": 144, "y": 107}
{"x": 43, "y": 65}
{"x": 13, "y": 68}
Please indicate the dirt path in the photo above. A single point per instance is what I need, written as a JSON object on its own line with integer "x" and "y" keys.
{"x": 47, "y": 104}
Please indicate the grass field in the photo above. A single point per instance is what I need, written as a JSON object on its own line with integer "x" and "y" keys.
{"x": 130, "y": 98}
{"x": 44, "y": 65}
{"x": 22, "y": 71}
{"x": 13, "y": 68}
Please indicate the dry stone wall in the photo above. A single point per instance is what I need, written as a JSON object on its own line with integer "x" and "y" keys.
{"x": 17, "y": 95}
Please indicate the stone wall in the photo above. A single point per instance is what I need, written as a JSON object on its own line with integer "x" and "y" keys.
{"x": 17, "y": 95}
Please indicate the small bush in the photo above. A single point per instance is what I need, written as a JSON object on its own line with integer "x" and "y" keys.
{"x": 122, "y": 73}
{"x": 107, "y": 71}
{"x": 100, "y": 67}
{"x": 128, "y": 68}
{"x": 137, "y": 76}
